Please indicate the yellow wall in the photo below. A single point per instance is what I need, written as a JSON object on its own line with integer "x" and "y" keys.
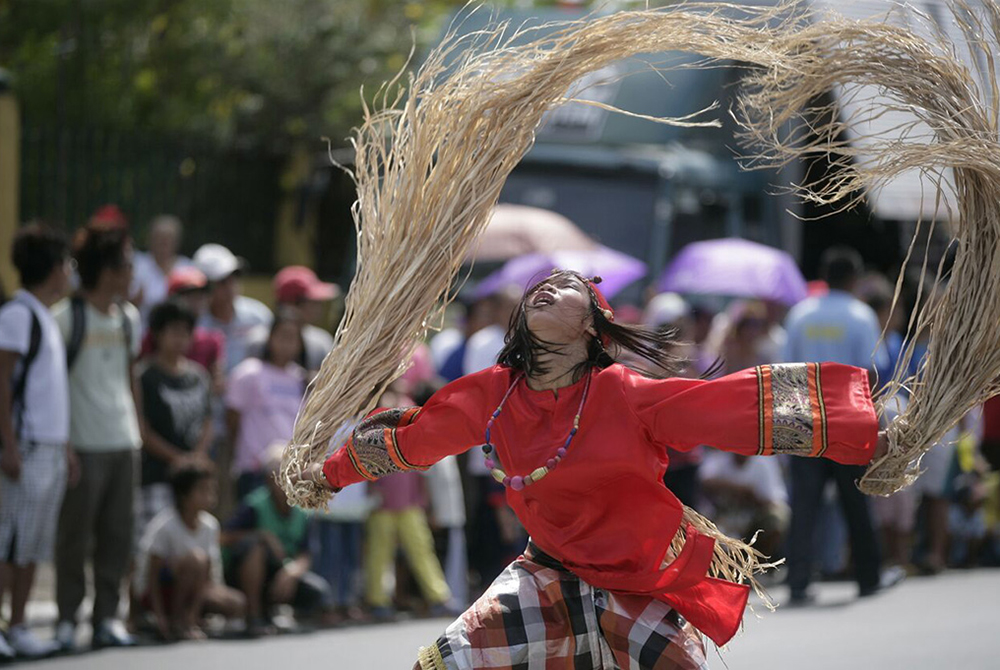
{"x": 10, "y": 152}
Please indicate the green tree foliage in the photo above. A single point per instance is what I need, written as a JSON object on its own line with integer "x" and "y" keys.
{"x": 251, "y": 72}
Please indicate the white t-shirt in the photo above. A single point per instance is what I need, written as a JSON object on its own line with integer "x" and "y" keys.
{"x": 444, "y": 344}
{"x": 483, "y": 348}
{"x": 761, "y": 474}
{"x": 102, "y": 409}
{"x": 169, "y": 538}
{"x": 248, "y": 313}
{"x": 46, "y": 391}
{"x": 150, "y": 279}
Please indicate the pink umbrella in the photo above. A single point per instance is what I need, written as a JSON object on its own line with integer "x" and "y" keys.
{"x": 617, "y": 270}
{"x": 736, "y": 268}
{"x": 516, "y": 230}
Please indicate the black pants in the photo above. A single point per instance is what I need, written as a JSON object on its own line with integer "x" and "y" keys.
{"x": 809, "y": 478}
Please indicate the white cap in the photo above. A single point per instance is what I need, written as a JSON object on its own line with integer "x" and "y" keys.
{"x": 665, "y": 309}
{"x": 216, "y": 262}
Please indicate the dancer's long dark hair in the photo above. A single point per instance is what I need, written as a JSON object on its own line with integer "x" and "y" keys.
{"x": 522, "y": 348}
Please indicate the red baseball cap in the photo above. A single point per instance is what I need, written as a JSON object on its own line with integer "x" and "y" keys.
{"x": 297, "y": 282}
{"x": 187, "y": 278}
{"x": 108, "y": 217}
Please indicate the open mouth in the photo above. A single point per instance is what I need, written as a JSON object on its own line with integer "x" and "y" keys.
{"x": 543, "y": 298}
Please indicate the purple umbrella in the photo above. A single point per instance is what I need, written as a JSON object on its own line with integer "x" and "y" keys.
{"x": 737, "y": 268}
{"x": 616, "y": 269}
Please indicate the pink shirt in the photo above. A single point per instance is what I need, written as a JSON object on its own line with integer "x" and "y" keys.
{"x": 267, "y": 398}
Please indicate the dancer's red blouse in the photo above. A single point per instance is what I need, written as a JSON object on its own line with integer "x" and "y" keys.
{"x": 604, "y": 511}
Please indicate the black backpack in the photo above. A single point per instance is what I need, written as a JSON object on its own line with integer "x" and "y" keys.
{"x": 78, "y": 329}
{"x": 21, "y": 380}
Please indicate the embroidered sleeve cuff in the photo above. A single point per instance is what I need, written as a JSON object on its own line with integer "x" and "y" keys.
{"x": 813, "y": 409}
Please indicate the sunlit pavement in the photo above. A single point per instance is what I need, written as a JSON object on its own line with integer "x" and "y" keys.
{"x": 950, "y": 621}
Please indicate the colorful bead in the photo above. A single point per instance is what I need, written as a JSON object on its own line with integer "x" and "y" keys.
{"x": 519, "y": 482}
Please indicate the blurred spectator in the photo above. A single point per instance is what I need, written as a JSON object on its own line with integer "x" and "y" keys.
{"x": 967, "y": 520}
{"x": 666, "y": 312}
{"x": 34, "y": 426}
{"x": 400, "y": 518}
{"x": 743, "y": 336}
{"x": 187, "y": 286}
{"x": 176, "y": 422}
{"x": 179, "y": 575}
{"x": 268, "y": 555}
{"x": 989, "y": 443}
{"x": 102, "y": 333}
{"x": 747, "y": 494}
{"x": 339, "y": 532}
{"x": 895, "y": 515}
{"x": 840, "y": 328}
{"x": 934, "y": 488}
{"x": 263, "y": 399}
{"x": 878, "y": 294}
{"x": 230, "y": 313}
{"x": 299, "y": 287}
{"x": 152, "y": 269}
{"x": 447, "y": 522}
{"x": 449, "y": 351}
{"x": 484, "y": 345}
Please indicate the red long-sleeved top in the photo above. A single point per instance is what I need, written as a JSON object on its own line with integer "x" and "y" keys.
{"x": 604, "y": 511}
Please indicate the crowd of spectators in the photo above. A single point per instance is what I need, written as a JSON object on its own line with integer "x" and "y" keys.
{"x": 146, "y": 402}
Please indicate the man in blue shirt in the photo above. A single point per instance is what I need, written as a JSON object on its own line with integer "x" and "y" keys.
{"x": 836, "y": 327}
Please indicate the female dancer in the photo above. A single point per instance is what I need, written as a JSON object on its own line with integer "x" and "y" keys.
{"x": 579, "y": 442}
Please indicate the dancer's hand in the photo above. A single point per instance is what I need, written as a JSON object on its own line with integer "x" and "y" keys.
{"x": 882, "y": 446}
{"x": 314, "y": 474}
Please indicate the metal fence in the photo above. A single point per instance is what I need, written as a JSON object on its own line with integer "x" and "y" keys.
{"x": 221, "y": 194}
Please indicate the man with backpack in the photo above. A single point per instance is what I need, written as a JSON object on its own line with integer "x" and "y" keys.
{"x": 34, "y": 425}
{"x": 102, "y": 340}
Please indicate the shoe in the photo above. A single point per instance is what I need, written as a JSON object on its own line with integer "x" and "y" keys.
{"x": 891, "y": 576}
{"x": 7, "y": 652}
{"x": 27, "y": 645}
{"x": 66, "y": 636}
{"x": 112, "y": 633}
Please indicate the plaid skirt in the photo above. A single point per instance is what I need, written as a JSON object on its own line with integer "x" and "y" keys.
{"x": 537, "y": 615}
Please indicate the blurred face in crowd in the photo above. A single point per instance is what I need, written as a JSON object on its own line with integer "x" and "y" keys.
{"x": 224, "y": 292}
{"x": 165, "y": 238}
{"x": 558, "y": 310}
{"x": 58, "y": 282}
{"x": 174, "y": 340}
{"x": 195, "y": 300}
{"x": 120, "y": 277}
{"x": 285, "y": 343}
{"x": 203, "y": 496}
{"x": 312, "y": 311}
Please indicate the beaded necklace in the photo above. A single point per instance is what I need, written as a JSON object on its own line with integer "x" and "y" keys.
{"x": 517, "y": 482}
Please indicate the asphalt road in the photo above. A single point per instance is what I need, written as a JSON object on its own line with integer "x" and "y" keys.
{"x": 951, "y": 622}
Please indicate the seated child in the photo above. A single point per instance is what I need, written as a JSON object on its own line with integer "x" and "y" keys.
{"x": 268, "y": 558}
{"x": 179, "y": 575}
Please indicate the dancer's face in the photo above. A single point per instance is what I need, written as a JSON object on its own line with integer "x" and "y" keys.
{"x": 558, "y": 309}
